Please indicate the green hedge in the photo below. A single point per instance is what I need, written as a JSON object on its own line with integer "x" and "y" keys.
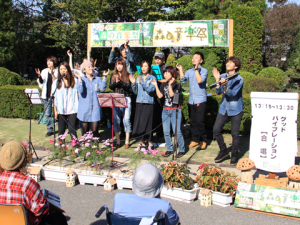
{"x": 274, "y": 73}
{"x": 10, "y": 78}
{"x": 12, "y": 97}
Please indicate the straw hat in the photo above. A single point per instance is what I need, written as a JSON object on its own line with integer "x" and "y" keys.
{"x": 12, "y": 155}
{"x": 147, "y": 181}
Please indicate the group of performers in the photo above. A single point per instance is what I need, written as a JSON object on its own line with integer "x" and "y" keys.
{"x": 76, "y": 97}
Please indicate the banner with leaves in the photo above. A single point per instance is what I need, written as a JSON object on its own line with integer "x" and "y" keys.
{"x": 206, "y": 33}
{"x": 269, "y": 199}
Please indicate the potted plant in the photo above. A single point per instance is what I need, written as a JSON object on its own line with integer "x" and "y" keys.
{"x": 221, "y": 182}
{"x": 178, "y": 184}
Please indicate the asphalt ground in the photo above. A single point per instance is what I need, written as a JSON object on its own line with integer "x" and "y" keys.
{"x": 83, "y": 201}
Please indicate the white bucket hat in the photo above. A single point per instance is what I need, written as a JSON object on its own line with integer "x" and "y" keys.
{"x": 147, "y": 181}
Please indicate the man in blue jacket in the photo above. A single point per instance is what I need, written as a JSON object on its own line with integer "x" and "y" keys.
{"x": 125, "y": 53}
{"x": 231, "y": 108}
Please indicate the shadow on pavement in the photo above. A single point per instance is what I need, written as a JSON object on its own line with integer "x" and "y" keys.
{"x": 99, "y": 222}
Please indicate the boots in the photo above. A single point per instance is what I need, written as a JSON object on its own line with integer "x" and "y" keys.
{"x": 223, "y": 154}
{"x": 234, "y": 158}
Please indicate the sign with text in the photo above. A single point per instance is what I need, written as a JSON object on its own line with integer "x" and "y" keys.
{"x": 208, "y": 33}
{"x": 269, "y": 199}
{"x": 273, "y": 138}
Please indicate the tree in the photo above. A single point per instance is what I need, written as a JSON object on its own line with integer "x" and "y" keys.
{"x": 281, "y": 24}
{"x": 7, "y": 35}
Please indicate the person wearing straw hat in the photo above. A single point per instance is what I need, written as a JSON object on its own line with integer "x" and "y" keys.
{"x": 147, "y": 183}
{"x": 17, "y": 188}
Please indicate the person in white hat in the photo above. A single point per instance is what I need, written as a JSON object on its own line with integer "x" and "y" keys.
{"x": 147, "y": 183}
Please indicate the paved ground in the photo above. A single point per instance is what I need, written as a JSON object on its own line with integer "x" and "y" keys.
{"x": 82, "y": 202}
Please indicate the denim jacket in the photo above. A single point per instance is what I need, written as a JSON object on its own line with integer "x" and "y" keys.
{"x": 128, "y": 60}
{"x": 144, "y": 90}
{"x": 232, "y": 100}
{"x": 197, "y": 91}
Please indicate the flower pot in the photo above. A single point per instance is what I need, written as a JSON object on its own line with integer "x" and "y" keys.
{"x": 54, "y": 173}
{"x": 88, "y": 177}
{"x": 220, "y": 199}
{"x": 178, "y": 194}
{"x": 124, "y": 182}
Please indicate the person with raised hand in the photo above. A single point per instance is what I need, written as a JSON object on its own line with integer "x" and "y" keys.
{"x": 125, "y": 54}
{"x": 166, "y": 91}
{"x": 145, "y": 91}
{"x": 89, "y": 111}
{"x": 45, "y": 81}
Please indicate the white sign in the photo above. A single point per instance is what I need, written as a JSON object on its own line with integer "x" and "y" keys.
{"x": 273, "y": 139}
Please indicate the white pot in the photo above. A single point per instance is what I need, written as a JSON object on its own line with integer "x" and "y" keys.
{"x": 187, "y": 196}
{"x": 86, "y": 177}
{"x": 54, "y": 173}
{"x": 123, "y": 182}
{"x": 219, "y": 198}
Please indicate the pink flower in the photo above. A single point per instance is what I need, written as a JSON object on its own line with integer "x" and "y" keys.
{"x": 87, "y": 154}
{"x": 67, "y": 146}
{"x": 47, "y": 150}
{"x": 63, "y": 145}
{"x": 162, "y": 153}
{"x": 82, "y": 148}
{"x": 136, "y": 150}
{"x": 145, "y": 152}
{"x": 56, "y": 144}
{"x": 76, "y": 150}
{"x": 87, "y": 144}
{"x": 25, "y": 143}
{"x": 98, "y": 169}
{"x": 73, "y": 143}
{"x": 94, "y": 146}
{"x": 51, "y": 141}
{"x": 103, "y": 146}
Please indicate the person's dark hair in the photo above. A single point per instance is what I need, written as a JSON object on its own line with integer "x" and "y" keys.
{"x": 69, "y": 76}
{"x": 149, "y": 64}
{"x": 201, "y": 54}
{"x": 52, "y": 59}
{"x": 124, "y": 73}
{"x": 236, "y": 61}
{"x": 122, "y": 47}
{"x": 171, "y": 70}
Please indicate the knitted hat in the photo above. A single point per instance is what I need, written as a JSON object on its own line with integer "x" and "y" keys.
{"x": 147, "y": 181}
{"x": 85, "y": 64}
{"x": 12, "y": 155}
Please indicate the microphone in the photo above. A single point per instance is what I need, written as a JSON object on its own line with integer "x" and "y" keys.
{"x": 59, "y": 79}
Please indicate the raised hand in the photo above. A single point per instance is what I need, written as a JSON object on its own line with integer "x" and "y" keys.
{"x": 76, "y": 74}
{"x": 171, "y": 81}
{"x": 132, "y": 79}
{"x": 126, "y": 43}
{"x": 140, "y": 78}
{"x": 95, "y": 62}
{"x": 106, "y": 73}
{"x": 38, "y": 72}
{"x": 153, "y": 82}
{"x": 216, "y": 74}
{"x": 69, "y": 54}
{"x": 179, "y": 67}
{"x": 113, "y": 45}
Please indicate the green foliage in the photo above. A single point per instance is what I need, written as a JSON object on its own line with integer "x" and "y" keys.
{"x": 293, "y": 76}
{"x": 171, "y": 60}
{"x": 246, "y": 75}
{"x": 177, "y": 175}
{"x": 211, "y": 61}
{"x": 7, "y": 34}
{"x": 272, "y": 72}
{"x": 261, "y": 84}
{"x": 248, "y": 32}
{"x": 216, "y": 179}
{"x": 10, "y": 78}
{"x": 186, "y": 62}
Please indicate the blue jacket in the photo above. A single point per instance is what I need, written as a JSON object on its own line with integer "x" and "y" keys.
{"x": 89, "y": 109}
{"x": 232, "y": 100}
{"x": 128, "y": 60}
{"x": 197, "y": 91}
{"x": 144, "y": 90}
{"x": 131, "y": 205}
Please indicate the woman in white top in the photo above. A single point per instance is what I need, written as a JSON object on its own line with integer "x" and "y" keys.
{"x": 45, "y": 80}
{"x": 66, "y": 100}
